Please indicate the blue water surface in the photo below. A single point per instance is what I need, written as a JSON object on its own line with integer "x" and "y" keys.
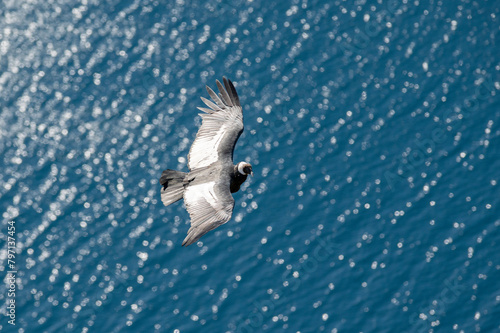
{"x": 372, "y": 127}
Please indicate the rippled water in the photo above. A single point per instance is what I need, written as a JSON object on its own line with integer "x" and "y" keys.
{"x": 372, "y": 127}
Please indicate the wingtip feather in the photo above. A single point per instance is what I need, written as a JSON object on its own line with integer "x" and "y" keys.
{"x": 215, "y": 98}
{"x": 210, "y": 111}
{"x": 231, "y": 91}
{"x": 188, "y": 240}
{"x": 224, "y": 94}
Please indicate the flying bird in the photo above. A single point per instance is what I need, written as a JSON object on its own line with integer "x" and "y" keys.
{"x": 207, "y": 187}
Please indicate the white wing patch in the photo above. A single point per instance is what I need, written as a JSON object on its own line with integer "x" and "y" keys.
{"x": 206, "y": 209}
{"x": 204, "y": 150}
{"x": 195, "y": 194}
{"x": 220, "y": 128}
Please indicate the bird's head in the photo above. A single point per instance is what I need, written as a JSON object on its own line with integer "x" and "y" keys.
{"x": 245, "y": 168}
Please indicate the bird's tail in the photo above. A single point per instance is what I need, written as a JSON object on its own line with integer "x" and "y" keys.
{"x": 173, "y": 186}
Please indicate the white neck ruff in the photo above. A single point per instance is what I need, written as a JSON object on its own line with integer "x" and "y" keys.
{"x": 241, "y": 165}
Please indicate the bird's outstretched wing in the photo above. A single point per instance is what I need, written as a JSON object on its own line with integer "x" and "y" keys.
{"x": 221, "y": 127}
{"x": 209, "y": 205}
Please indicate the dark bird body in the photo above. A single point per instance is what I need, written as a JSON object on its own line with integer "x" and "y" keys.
{"x": 207, "y": 188}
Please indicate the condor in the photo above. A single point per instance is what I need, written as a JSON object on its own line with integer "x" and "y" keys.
{"x": 207, "y": 188}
